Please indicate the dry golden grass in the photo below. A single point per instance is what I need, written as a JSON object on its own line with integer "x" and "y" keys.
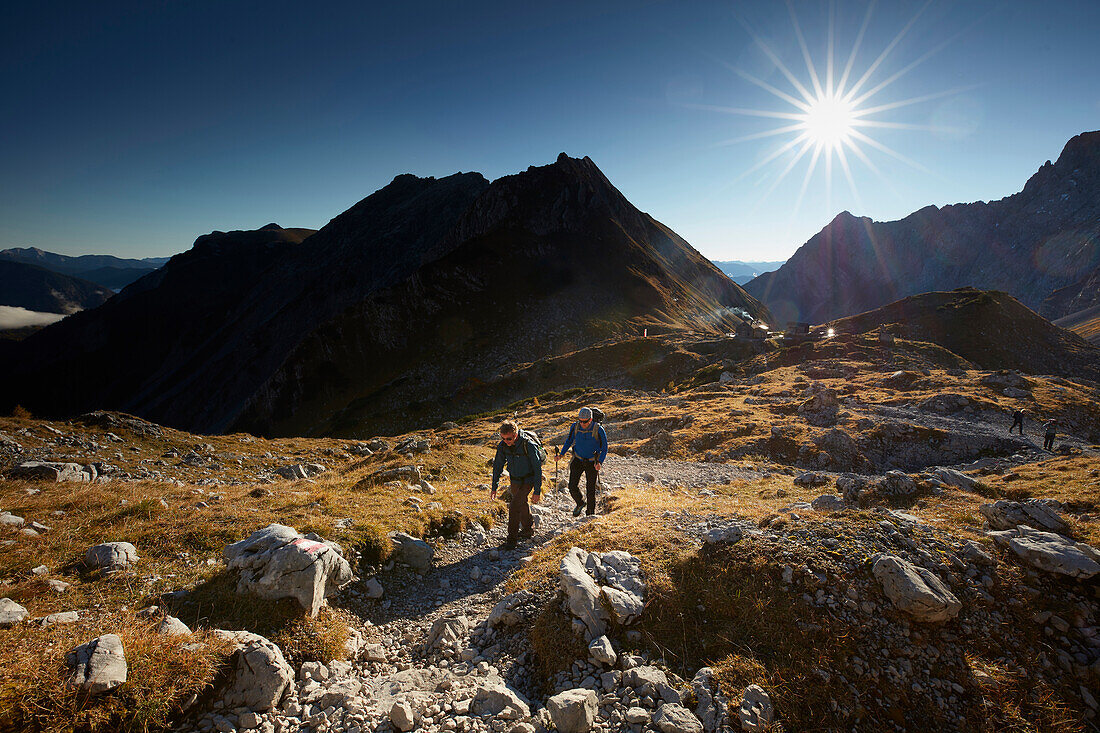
{"x": 161, "y": 678}
{"x": 180, "y": 545}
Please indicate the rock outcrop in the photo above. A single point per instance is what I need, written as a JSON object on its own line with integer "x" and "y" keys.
{"x": 259, "y": 673}
{"x": 99, "y": 665}
{"x": 915, "y": 590}
{"x": 1050, "y": 552}
{"x": 278, "y": 562}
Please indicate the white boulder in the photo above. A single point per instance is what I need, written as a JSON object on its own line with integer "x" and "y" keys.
{"x": 756, "y": 711}
{"x": 111, "y": 556}
{"x": 277, "y": 562}
{"x": 11, "y": 612}
{"x": 260, "y": 673}
{"x": 1006, "y": 514}
{"x": 915, "y": 590}
{"x": 674, "y": 718}
{"x": 1051, "y": 552}
{"x": 573, "y": 711}
{"x": 99, "y": 665}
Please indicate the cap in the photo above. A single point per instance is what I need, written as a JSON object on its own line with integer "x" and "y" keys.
{"x": 585, "y": 414}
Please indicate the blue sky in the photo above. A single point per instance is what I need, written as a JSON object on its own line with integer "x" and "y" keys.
{"x": 132, "y": 130}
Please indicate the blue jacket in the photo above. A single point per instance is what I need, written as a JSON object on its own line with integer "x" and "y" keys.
{"x": 587, "y": 444}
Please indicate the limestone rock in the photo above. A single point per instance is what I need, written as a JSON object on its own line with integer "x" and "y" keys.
{"x": 260, "y": 673}
{"x": 602, "y": 651}
{"x": 509, "y": 610}
{"x": 674, "y": 718}
{"x": 951, "y": 477}
{"x": 7, "y": 519}
{"x": 756, "y": 711}
{"x": 728, "y": 534}
{"x": 828, "y": 503}
{"x": 11, "y": 612}
{"x": 300, "y": 470}
{"x": 374, "y": 589}
{"x": 1051, "y": 552}
{"x": 1006, "y": 514}
{"x": 172, "y": 626}
{"x": 851, "y": 486}
{"x": 111, "y": 556}
{"x": 582, "y": 594}
{"x": 99, "y": 665}
{"x": 573, "y": 711}
{"x": 896, "y": 483}
{"x": 447, "y": 632}
{"x": 498, "y": 699}
{"x": 53, "y": 471}
{"x": 646, "y": 674}
{"x": 811, "y": 478}
{"x": 711, "y": 705}
{"x": 277, "y": 562}
{"x": 402, "y": 716}
{"x": 64, "y": 617}
{"x": 915, "y": 590}
{"x": 415, "y": 553}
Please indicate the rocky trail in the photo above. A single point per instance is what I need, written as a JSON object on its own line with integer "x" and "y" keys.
{"x": 439, "y": 648}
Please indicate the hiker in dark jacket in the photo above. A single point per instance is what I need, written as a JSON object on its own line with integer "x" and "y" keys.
{"x": 589, "y": 443}
{"x": 525, "y": 471}
{"x": 1051, "y": 432}
{"x": 1017, "y": 421}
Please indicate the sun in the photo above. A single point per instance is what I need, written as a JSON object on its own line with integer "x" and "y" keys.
{"x": 832, "y": 109}
{"x": 830, "y": 121}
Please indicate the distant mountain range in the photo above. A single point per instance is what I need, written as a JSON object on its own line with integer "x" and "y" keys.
{"x": 106, "y": 270}
{"x": 743, "y": 272}
{"x": 1041, "y": 245}
{"x": 410, "y": 306}
{"x": 40, "y": 290}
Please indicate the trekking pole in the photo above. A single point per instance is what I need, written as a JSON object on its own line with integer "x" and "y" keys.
{"x": 557, "y": 454}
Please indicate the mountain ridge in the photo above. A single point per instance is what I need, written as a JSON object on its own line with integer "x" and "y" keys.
{"x": 1031, "y": 244}
{"x": 276, "y": 330}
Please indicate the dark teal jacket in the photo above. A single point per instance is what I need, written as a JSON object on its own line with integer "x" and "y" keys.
{"x": 522, "y": 459}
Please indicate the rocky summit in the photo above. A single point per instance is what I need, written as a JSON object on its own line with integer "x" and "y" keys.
{"x": 282, "y": 331}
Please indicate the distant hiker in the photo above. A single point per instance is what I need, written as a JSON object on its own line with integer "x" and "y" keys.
{"x": 1051, "y": 431}
{"x": 589, "y": 443}
{"x": 1017, "y": 421}
{"x": 523, "y": 454}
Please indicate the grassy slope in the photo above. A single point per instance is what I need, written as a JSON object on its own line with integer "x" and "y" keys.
{"x": 725, "y": 607}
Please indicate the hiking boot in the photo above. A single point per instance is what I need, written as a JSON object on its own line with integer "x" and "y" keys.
{"x": 509, "y": 544}
{"x": 578, "y": 509}
{"x": 526, "y": 534}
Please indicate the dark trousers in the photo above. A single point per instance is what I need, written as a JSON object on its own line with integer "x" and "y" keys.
{"x": 1017, "y": 422}
{"x": 1048, "y": 441}
{"x": 519, "y": 512}
{"x": 576, "y": 467}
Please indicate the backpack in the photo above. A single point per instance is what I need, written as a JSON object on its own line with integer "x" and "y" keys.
{"x": 533, "y": 438}
{"x": 597, "y": 415}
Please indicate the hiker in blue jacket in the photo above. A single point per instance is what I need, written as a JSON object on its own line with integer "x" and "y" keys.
{"x": 589, "y": 443}
{"x": 524, "y": 456}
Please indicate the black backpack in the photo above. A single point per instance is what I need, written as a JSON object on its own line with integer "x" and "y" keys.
{"x": 597, "y": 415}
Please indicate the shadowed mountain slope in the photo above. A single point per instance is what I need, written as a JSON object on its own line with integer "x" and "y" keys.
{"x": 991, "y": 329}
{"x": 38, "y": 289}
{"x": 1044, "y": 239}
{"x": 422, "y": 289}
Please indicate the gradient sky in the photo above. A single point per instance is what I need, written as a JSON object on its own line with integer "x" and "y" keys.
{"x": 132, "y": 130}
